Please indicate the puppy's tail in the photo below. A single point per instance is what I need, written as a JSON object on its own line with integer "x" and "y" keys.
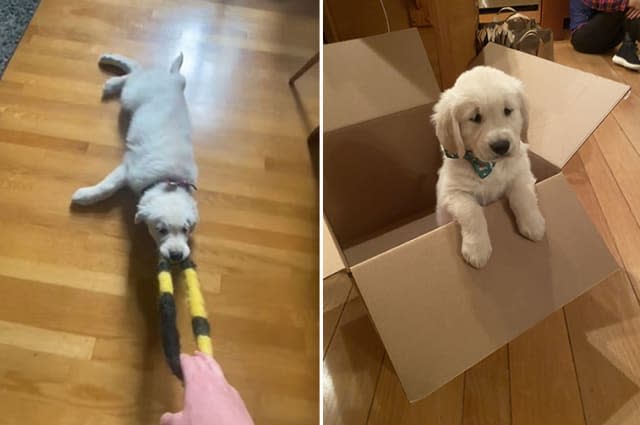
{"x": 123, "y": 63}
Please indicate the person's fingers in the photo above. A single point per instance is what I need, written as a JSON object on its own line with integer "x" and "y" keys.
{"x": 200, "y": 363}
{"x": 190, "y": 368}
{"x": 211, "y": 364}
{"x": 172, "y": 419}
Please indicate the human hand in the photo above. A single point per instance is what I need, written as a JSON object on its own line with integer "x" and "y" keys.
{"x": 208, "y": 398}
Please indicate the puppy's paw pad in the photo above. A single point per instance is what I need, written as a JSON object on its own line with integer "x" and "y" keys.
{"x": 83, "y": 196}
{"x": 477, "y": 254}
{"x": 533, "y": 227}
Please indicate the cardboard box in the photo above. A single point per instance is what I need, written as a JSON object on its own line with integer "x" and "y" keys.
{"x": 332, "y": 261}
{"x": 436, "y": 315}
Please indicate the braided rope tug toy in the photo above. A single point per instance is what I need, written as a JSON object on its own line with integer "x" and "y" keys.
{"x": 167, "y": 307}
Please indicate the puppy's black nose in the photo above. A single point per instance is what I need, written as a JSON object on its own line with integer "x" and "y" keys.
{"x": 175, "y": 255}
{"x": 500, "y": 147}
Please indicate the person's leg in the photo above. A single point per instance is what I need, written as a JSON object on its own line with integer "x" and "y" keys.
{"x": 627, "y": 54}
{"x": 632, "y": 27}
{"x": 602, "y": 33}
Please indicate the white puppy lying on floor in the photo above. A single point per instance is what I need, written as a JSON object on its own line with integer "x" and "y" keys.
{"x": 481, "y": 123}
{"x": 158, "y": 163}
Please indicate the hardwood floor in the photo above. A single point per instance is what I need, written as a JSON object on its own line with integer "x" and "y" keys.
{"x": 579, "y": 366}
{"x": 79, "y": 338}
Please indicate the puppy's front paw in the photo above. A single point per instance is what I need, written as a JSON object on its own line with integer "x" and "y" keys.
{"x": 476, "y": 253}
{"x": 84, "y": 196}
{"x": 532, "y": 226}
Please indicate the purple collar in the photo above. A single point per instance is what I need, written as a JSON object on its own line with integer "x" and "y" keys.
{"x": 173, "y": 184}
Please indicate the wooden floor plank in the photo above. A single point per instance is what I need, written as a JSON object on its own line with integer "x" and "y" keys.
{"x": 610, "y": 311}
{"x": 623, "y": 225}
{"x": 29, "y": 409}
{"x": 336, "y": 290}
{"x": 80, "y": 340}
{"x": 626, "y": 113}
{"x": 351, "y": 368}
{"x": 605, "y": 329}
{"x": 607, "y": 378}
{"x": 595, "y": 64}
{"x": 579, "y": 180}
{"x": 390, "y": 405}
{"x": 623, "y": 161}
{"x": 46, "y": 341}
{"x": 544, "y": 387}
{"x": 487, "y": 395}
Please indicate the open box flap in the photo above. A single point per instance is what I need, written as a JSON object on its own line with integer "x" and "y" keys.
{"x": 566, "y": 105}
{"x": 331, "y": 259}
{"x": 467, "y": 313}
{"x": 378, "y": 173}
{"x": 375, "y": 76}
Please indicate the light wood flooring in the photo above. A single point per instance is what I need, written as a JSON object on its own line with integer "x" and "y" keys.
{"x": 79, "y": 338}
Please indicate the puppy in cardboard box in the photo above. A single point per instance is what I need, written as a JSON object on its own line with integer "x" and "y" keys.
{"x": 481, "y": 123}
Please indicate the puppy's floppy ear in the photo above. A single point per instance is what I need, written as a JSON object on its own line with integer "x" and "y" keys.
{"x": 140, "y": 217}
{"x": 141, "y": 213}
{"x": 524, "y": 111}
{"x": 446, "y": 123}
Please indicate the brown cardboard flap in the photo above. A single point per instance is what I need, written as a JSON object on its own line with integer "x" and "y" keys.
{"x": 331, "y": 259}
{"x": 375, "y": 76}
{"x": 437, "y": 316}
{"x": 396, "y": 236}
{"x": 566, "y": 105}
{"x": 379, "y": 174}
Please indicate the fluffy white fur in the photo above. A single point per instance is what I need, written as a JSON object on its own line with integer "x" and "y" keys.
{"x": 158, "y": 148}
{"x": 485, "y": 106}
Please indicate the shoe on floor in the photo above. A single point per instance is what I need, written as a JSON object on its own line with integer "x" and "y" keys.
{"x": 627, "y": 55}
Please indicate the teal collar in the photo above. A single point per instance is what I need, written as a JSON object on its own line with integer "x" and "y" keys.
{"x": 482, "y": 169}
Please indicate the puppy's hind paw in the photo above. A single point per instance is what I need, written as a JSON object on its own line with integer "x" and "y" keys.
{"x": 477, "y": 254}
{"x": 113, "y": 86}
{"x": 532, "y": 226}
{"x": 109, "y": 89}
{"x": 84, "y": 196}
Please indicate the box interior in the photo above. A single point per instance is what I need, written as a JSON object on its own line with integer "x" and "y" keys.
{"x": 382, "y": 194}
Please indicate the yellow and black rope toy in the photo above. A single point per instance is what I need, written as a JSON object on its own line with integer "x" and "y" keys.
{"x": 167, "y": 306}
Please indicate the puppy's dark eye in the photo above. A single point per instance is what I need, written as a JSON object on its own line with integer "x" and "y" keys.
{"x": 185, "y": 229}
{"x": 477, "y": 118}
{"x": 162, "y": 231}
{"x": 507, "y": 111}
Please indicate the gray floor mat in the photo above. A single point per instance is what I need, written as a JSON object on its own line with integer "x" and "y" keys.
{"x": 15, "y": 15}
